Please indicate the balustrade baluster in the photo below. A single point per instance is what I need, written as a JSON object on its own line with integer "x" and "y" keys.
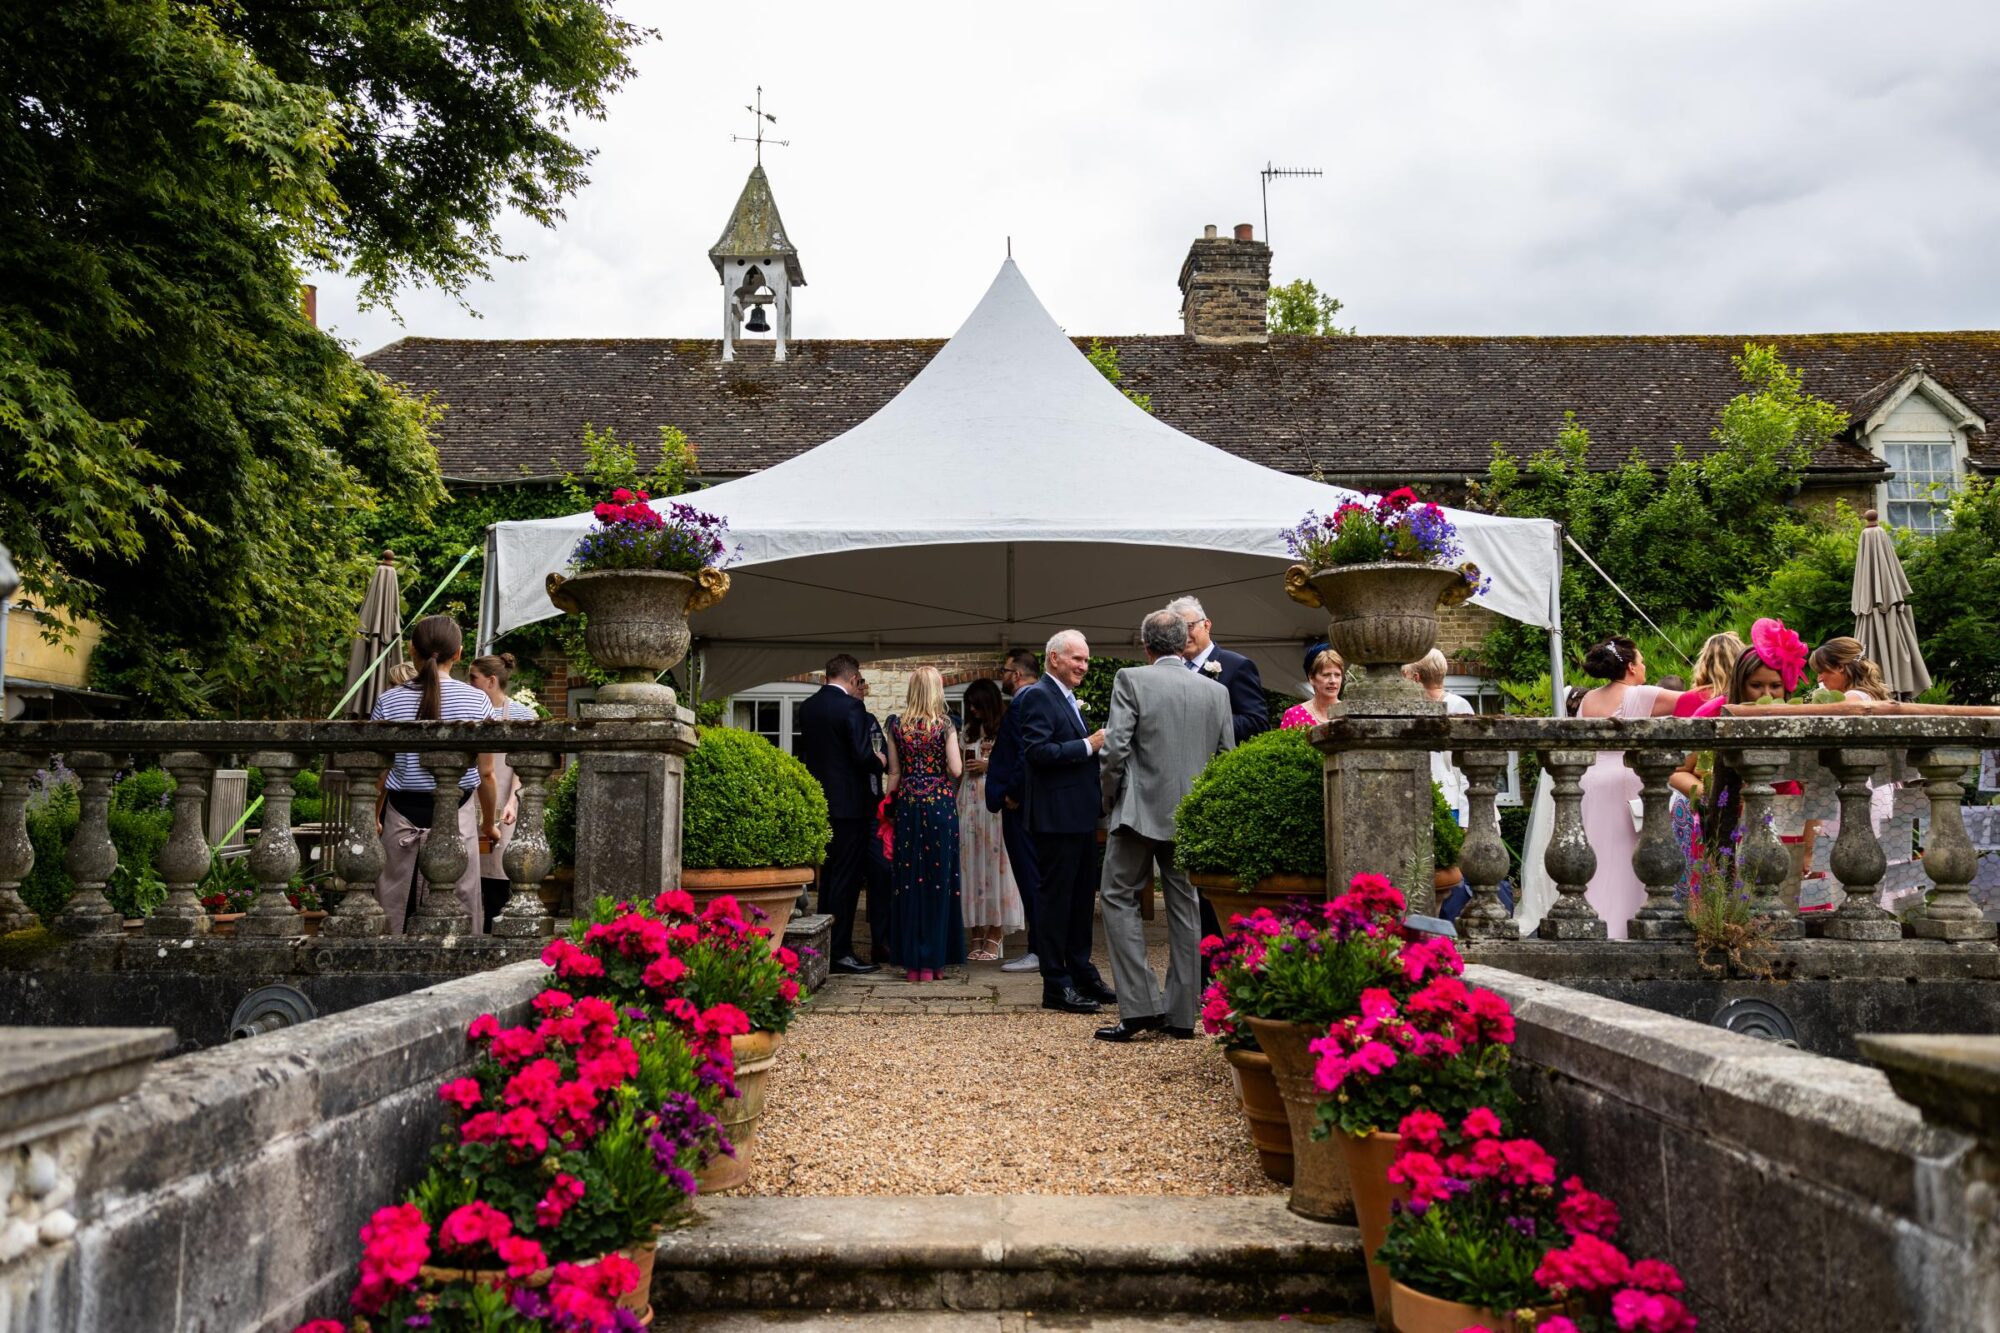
{"x": 1761, "y": 858}
{"x": 275, "y": 858}
{"x": 1857, "y": 860}
{"x": 527, "y": 857}
{"x": 1570, "y": 859}
{"x": 92, "y": 856}
{"x": 443, "y": 858}
{"x": 185, "y": 859}
{"x": 1659, "y": 860}
{"x": 1949, "y": 856}
{"x": 17, "y": 852}
{"x": 1483, "y": 859}
{"x": 358, "y": 858}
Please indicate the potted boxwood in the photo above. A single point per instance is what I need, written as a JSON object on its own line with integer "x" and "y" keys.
{"x": 1251, "y": 832}
{"x": 1447, "y": 841}
{"x": 559, "y": 823}
{"x": 753, "y": 825}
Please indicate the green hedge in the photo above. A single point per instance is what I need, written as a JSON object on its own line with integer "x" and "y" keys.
{"x": 559, "y": 819}
{"x": 140, "y": 822}
{"x": 748, "y": 804}
{"x": 1447, "y": 838}
{"x": 1256, "y": 810}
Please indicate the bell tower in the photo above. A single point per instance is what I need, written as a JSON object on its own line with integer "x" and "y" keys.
{"x": 758, "y": 266}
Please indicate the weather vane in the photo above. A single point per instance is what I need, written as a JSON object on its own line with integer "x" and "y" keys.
{"x": 761, "y": 115}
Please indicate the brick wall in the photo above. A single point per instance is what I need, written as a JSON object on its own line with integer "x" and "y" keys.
{"x": 1461, "y": 631}
{"x": 554, "y": 692}
{"x": 1225, "y": 288}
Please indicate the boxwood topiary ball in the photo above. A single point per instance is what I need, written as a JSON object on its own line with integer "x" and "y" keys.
{"x": 748, "y": 805}
{"x": 1256, "y": 810}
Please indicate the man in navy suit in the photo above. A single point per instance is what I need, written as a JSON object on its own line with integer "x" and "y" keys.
{"x": 1237, "y": 674}
{"x": 1062, "y": 806}
{"x": 1006, "y": 783}
{"x": 833, "y": 745}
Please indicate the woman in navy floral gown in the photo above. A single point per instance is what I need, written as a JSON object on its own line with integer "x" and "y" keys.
{"x": 924, "y": 769}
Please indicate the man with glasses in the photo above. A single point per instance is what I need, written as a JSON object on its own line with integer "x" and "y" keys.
{"x": 1006, "y": 775}
{"x": 1237, "y": 674}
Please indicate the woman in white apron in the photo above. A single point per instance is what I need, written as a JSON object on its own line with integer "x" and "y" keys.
{"x": 489, "y": 675}
{"x": 410, "y": 792}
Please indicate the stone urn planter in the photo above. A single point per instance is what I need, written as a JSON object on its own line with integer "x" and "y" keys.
{"x": 638, "y": 618}
{"x": 774, "y": 892}
{"x": 1320, "y": 1188}
{"x": 1414, "y": 1312}
{"x": 1264, "y": 1110}
{"x": 1369, "y": 1158}
{"x": 755, "y": 1053}
{"x": 1379, "y": 616}
{"x": 1226, "y": 894}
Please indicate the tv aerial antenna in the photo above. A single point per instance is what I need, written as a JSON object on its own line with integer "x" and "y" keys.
{"x": 1269, "y": 174}
{"x": 760, "y": 116}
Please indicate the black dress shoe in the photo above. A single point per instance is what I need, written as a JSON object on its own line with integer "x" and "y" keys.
{"x": 1097, "y": 991}
{"x": 1070, "y": 1002}
{"x": 851, "y": 966}
{"x": 1125, "y": 1029}
{"x": 1179, "y": 1034}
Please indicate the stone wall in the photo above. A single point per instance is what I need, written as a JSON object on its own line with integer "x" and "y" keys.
{"x": 1461, "y": 635}
{"x": 1793, "y": 1191}
{"x": 1226, "y": 288}
{"x": 227, "y": 1192}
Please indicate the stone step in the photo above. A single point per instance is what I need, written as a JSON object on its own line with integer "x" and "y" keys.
{"x": 1051, "y": 1254}
{"x": 990, "y": 1321}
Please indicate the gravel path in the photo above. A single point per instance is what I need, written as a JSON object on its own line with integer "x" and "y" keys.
{"x": 1008, "y": 1102}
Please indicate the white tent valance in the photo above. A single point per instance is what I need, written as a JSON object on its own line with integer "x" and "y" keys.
{"x": 1009, "y": 491}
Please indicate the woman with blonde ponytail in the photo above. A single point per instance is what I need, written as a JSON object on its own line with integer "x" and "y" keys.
{"x": 409, "y": 792}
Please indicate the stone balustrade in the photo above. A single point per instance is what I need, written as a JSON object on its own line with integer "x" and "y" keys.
{"x": 1835, "y": 749}
{"x": 362, "y": 751}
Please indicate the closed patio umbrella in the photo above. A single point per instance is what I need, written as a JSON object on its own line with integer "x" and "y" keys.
{"x": 1882, "y": 619}
{"x": 381, "y": 624}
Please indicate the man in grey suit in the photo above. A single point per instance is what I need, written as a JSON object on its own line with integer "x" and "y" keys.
{"x": 1166, "y": 723}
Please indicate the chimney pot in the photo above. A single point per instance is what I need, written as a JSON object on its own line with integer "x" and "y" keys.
{"x": 1208, "y": 232}
{"x": 1245, "y": 232}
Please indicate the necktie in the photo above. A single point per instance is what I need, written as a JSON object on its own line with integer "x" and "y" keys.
{"x": 1190, "y": 665}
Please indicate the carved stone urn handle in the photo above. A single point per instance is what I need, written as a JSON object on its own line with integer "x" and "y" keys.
{"x": 1299, "y": 587}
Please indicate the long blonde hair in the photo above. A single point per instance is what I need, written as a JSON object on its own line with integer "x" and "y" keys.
{"x": 925, "y": 705}
{"x": 1718, "y": 659}
{"x": 1844, "y": 654}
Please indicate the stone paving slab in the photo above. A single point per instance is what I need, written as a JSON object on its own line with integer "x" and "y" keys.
{"x": 1006, "y": 1321}
{"x": 969, "y": 988}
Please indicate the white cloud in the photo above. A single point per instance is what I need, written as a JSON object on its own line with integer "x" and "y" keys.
{"x": 1491, "y": 167}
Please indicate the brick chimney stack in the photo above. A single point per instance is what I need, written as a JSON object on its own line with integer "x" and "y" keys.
{"x": 1225, "y": 284}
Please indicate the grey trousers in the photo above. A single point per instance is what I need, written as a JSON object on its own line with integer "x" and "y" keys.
{"x": 1129, "y": 863}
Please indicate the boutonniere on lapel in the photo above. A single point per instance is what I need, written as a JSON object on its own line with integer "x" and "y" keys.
{"x": 1212, "y": 668}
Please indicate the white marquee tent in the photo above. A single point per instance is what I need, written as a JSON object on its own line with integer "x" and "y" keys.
{"x": 1007, "y": 492}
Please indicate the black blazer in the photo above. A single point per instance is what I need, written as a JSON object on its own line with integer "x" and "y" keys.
{"x": 833, "y": 745}
{"x": 1246, "y": 692}
{"x": 1006, "y": 771}
{"x": 1062, "y": 795}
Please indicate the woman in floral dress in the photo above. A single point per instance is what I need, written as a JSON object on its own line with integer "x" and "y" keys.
{"x": 924, "y": 768}
{"x": 992, "y": 898}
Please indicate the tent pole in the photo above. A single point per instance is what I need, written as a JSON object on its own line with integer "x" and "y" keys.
{"x": 489, "y": 595}
{"x": 1556, "y": 631}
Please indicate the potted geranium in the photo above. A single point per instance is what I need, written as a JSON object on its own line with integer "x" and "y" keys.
{"x": 1489, "y": 1240}
{"x": 1228, "y": 957}
{"x": 753, "y": 825}
{"x": 1380, "y": 571}
{"x": 1251, "y": 832}
{"x": 638, "y": 575}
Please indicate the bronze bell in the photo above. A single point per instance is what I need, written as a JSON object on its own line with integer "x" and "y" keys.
{"x": 757, "y": 323}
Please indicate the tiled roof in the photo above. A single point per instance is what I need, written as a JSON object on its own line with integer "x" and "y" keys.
{"x": 1355, "y": 407}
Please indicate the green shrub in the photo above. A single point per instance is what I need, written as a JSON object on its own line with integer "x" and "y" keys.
{"x": 1447, "y": 838}
{"x": 307, "y": 807}
{"x": 749, "y": 804}
{"x": 140, "y": 822}
{"x": 1256, "y": 810}
{"x": 559, "y": 819}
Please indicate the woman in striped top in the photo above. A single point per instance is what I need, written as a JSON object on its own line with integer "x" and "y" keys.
{"x": 410, "y": 791}
{"x": 489, "y": 675}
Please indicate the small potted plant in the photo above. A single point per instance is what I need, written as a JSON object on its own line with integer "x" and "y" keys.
{"x": 1447, "y": 841}
{"x": 1380, "y": 571}
{"x": 1228, "y": 959}
{"x": 1489, "y": 1240}
{"x": 753, "y": 825}
{"x": 1251, "y": 832}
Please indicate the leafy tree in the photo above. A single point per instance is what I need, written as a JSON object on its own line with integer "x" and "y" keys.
{"x": 1298, "y": 307}
{"x": 1951, "y": 576}
{"x": 1678, "y": 539}
{"x": 186, "y": 458}
{"x": 1104, "y": 356}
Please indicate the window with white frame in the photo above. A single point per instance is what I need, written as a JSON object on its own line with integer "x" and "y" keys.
{"x": 770, "y": 710}
{"x": 1485, "y": 697}
{"x": 1926, "y": 475}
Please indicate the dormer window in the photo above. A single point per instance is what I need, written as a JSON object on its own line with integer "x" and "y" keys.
{"x": 1919, "y": 430}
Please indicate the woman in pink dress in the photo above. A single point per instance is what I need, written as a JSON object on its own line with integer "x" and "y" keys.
{"x": 1609, "y": 787}
{"x": 992, "y": 899}
{"x": 1325, "y": 670}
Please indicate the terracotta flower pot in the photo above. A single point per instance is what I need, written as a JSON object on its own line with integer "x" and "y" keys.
{"x": 639, "y": 1300}
{"x": 755, "y": 1053}
{"x": 223, "y": 923}
{"x": 1379, "y": 616}
{"x": 1229, "y": 898}
{"x": 773, "y": 890}
{"x": 642, "y": 1253}
{"x": 313, "y": 920}
{"x": 1320, "y": 1190}
{"x": 1415, "y": 1312}
{"x": 556, "y": 890}
{"x": 638, "y": 617}
{"x": 1444, "y": 881}
{"x": 1368, "y": 1161}
{"x": 1264, "y": 1109}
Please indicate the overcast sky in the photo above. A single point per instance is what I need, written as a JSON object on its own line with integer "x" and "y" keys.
{"x": 1490, "y": 167}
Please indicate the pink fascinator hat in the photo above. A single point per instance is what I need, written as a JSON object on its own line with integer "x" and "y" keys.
{"x": 1782, "y": 650}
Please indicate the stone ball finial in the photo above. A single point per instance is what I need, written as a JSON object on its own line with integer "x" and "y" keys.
{"x": 1869, "y": 516}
